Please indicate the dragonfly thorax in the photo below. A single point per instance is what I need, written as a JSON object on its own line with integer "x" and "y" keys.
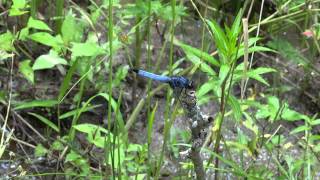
{"x": 180, "y": 82}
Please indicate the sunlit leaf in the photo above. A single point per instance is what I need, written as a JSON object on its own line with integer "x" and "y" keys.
{"x": 47, "y": 39}
{"x": 48, "y": 61}
{"x": 86, "y": 49}
{"x": 6, "y": 40}
{"x": 37, "y": 24}
{"x": 18, "y": 8}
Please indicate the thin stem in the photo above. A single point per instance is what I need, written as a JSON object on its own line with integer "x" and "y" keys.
{"x": 59, "y": 14}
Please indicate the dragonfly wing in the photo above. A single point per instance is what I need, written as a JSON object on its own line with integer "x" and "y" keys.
{"x": 149, "y": 75}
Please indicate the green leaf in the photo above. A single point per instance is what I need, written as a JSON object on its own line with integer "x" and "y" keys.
{"x": 236, "y": 26}
{"x": 236, "y": 108}
{"x": 24, "y": 33}
{"x": 47, "y": 39}
{"x": 67, "y": 79}
{"x": 90, "y": 128}
{"x": 255, "y": 74}
{"x": 300, "y": 129}
{"x": 36, "y": 103}
{"x": 315, "y": 122}
{"x": 17, "y": 8}
{"x": 40, "y": 151}
{"x": 72, "y": 156}
{"x": 37, "y": 24}
{"x": 204, "y": 89}
{"x": 48, "y": 61}
{"x": 75, "y": 111}
{"x": 203, "y": 55}
{"x": 254, "y": 49}
{"x": 71, "y": 30}
{"x": 45, "y": 121}
{"x": 291, "y": 115}
{"x": 26, "y": 70}
{"x": 224, "y": 69}
{"x": 57, "y": 145}
{"x": 219, "y": 38}
{"x": 86, "y": 49}
{"x": 4, "y": 55}
{"x": 249, "y": 123}
{"x": 202, "y": 65}
{"x": 6, "y": 41}
{"x": 121, "y": 73}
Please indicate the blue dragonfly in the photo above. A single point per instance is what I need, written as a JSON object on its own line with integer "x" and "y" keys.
{"x": 175, "y": 82}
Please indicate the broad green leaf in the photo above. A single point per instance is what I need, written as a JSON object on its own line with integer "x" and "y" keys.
{"x": 86, "y": 49}
{"x": 48, "y": 61}
{"x": 36, "y": 103}
{"x": 45, "y": 121}
{"x": 6, "y": 41}
{"x": 26, "y": 70}
{"x": 18, "y": 8}
{"x": 72, "y": 156}
{"x": 263, "y": 112}
{"x": 37, "y": 24}
{"x": 24, "y": 33}
{"x": 47, "y": 39}
{"x": 202, "y": 55}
